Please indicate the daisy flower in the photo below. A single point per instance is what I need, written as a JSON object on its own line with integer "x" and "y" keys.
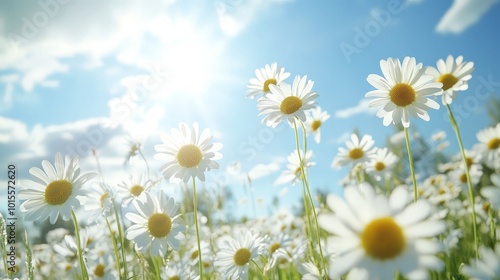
{"x": 489, "y": 145}
{"x": 132, "y": 188}
{"x": 487, "y": 268}
{"x": 293, "y": 171}
{"x": 315, "y": 119}
{"x": 381, "y": 235}
{"x": 357, "y": 151}
{"x": 179, "y": 270}
{"x": 103, "y": 268}
{"x": 309, "y": 271}
{"x": 54, "y": 191}
{"x": 155, "y": 224}
{"x": 453, "y": 74}
{"x": 234, "y": 255}
{"x": 381, "y": 162}
{"x": 98, "y": 202}
{"x": 206, "y": 253}
{"x": 188, "y": 153}
{"x": 492, "y": 193}
{"x": 287, "y": 102}
{"x": 269, "y": 75}
{"x": 459, "y": 177}
{"x": 275, "y": 242}
{"x": 404, "y": 91}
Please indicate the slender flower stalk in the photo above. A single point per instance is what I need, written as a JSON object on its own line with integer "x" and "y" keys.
{"x": 308, "y": 191}
{"x": 146, "y": 162}
{"x": 29, "y": 257}
{"x": 83, "y": 266}
{"x": 195, "y": 206}
{"x": 157, "y": 264}
{"x": 115, "y": 246}
{"x": 467, "y": 174}
{"x": 412, "y": 168}
{"x": 122, "y": 241}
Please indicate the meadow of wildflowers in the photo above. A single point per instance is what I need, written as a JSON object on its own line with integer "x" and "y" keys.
{"x": 389, "y": 223}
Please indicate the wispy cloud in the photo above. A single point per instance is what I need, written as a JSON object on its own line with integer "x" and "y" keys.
{"x": 258, "y": 171}
{"x": 462, "y": 14}
{"x": 360, "y": 108}
{"x": 235, "y": 15}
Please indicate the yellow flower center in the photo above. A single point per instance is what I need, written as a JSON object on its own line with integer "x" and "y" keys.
{"x": 159, "y": 225}
{"x": 494, "y": 143}
{"x": 383, "y": 239}
{"x": 57, "y": 192}
{"x": 189, "y": 156}
{"x": 298, "y": 173}
{"x": 486, "y": 206}
{"x": 290, "y": 105}
{"x": 103, "y": 198}
{"x": 379, "y": 166}
{"x": 448, "y": 81}
{"x": 283, "y": 261}
{"x": 267, "y": 83}
{"x": 356, "y": 153}
{"x": 242, "y": 256}
{"x": 315, "y": 125}
{"x": 402, "y": 95}
{"x": 99, "y": 270}
{"x": 194, "y": 255}
{"x": 469, "y": 161}
{"x": 274, "y": 247}
{"x": 136, "y": 190}
{"x": 463, "y": 178}
{"x": 174, "y": 278}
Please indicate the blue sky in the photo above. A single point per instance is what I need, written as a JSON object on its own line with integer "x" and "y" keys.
{"x": 67, "y": 66}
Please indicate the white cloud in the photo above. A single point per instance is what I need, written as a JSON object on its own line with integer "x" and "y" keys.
{"x": 35, "y": 144}
{"x": 9, "y": 81}
{"x": 360, "y": 108}
{"x": 129, "y": 32}
{"x": 259, "y": 171}
{"x": 263, "y": 170}
{"x": 343, "y": 138}
{"x": 463, "y": 14}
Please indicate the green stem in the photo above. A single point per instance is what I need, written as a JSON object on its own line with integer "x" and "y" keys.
{"x": 467, "y": 175}
{"x": 83, "y": 267}
{"x": 122, "y": 241}
{"x": 29, "y": 256}
{"x": 412, "y": 169}
{"x": 306, "y": 183}
{"x": 493, "y": 232}
{"x": 200, "y": 264}
{"x": 260, "y": 269}
{"x": 115, "y": 247}
{"x": 156, "y": 264}
{"x": 387, "y": 183}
